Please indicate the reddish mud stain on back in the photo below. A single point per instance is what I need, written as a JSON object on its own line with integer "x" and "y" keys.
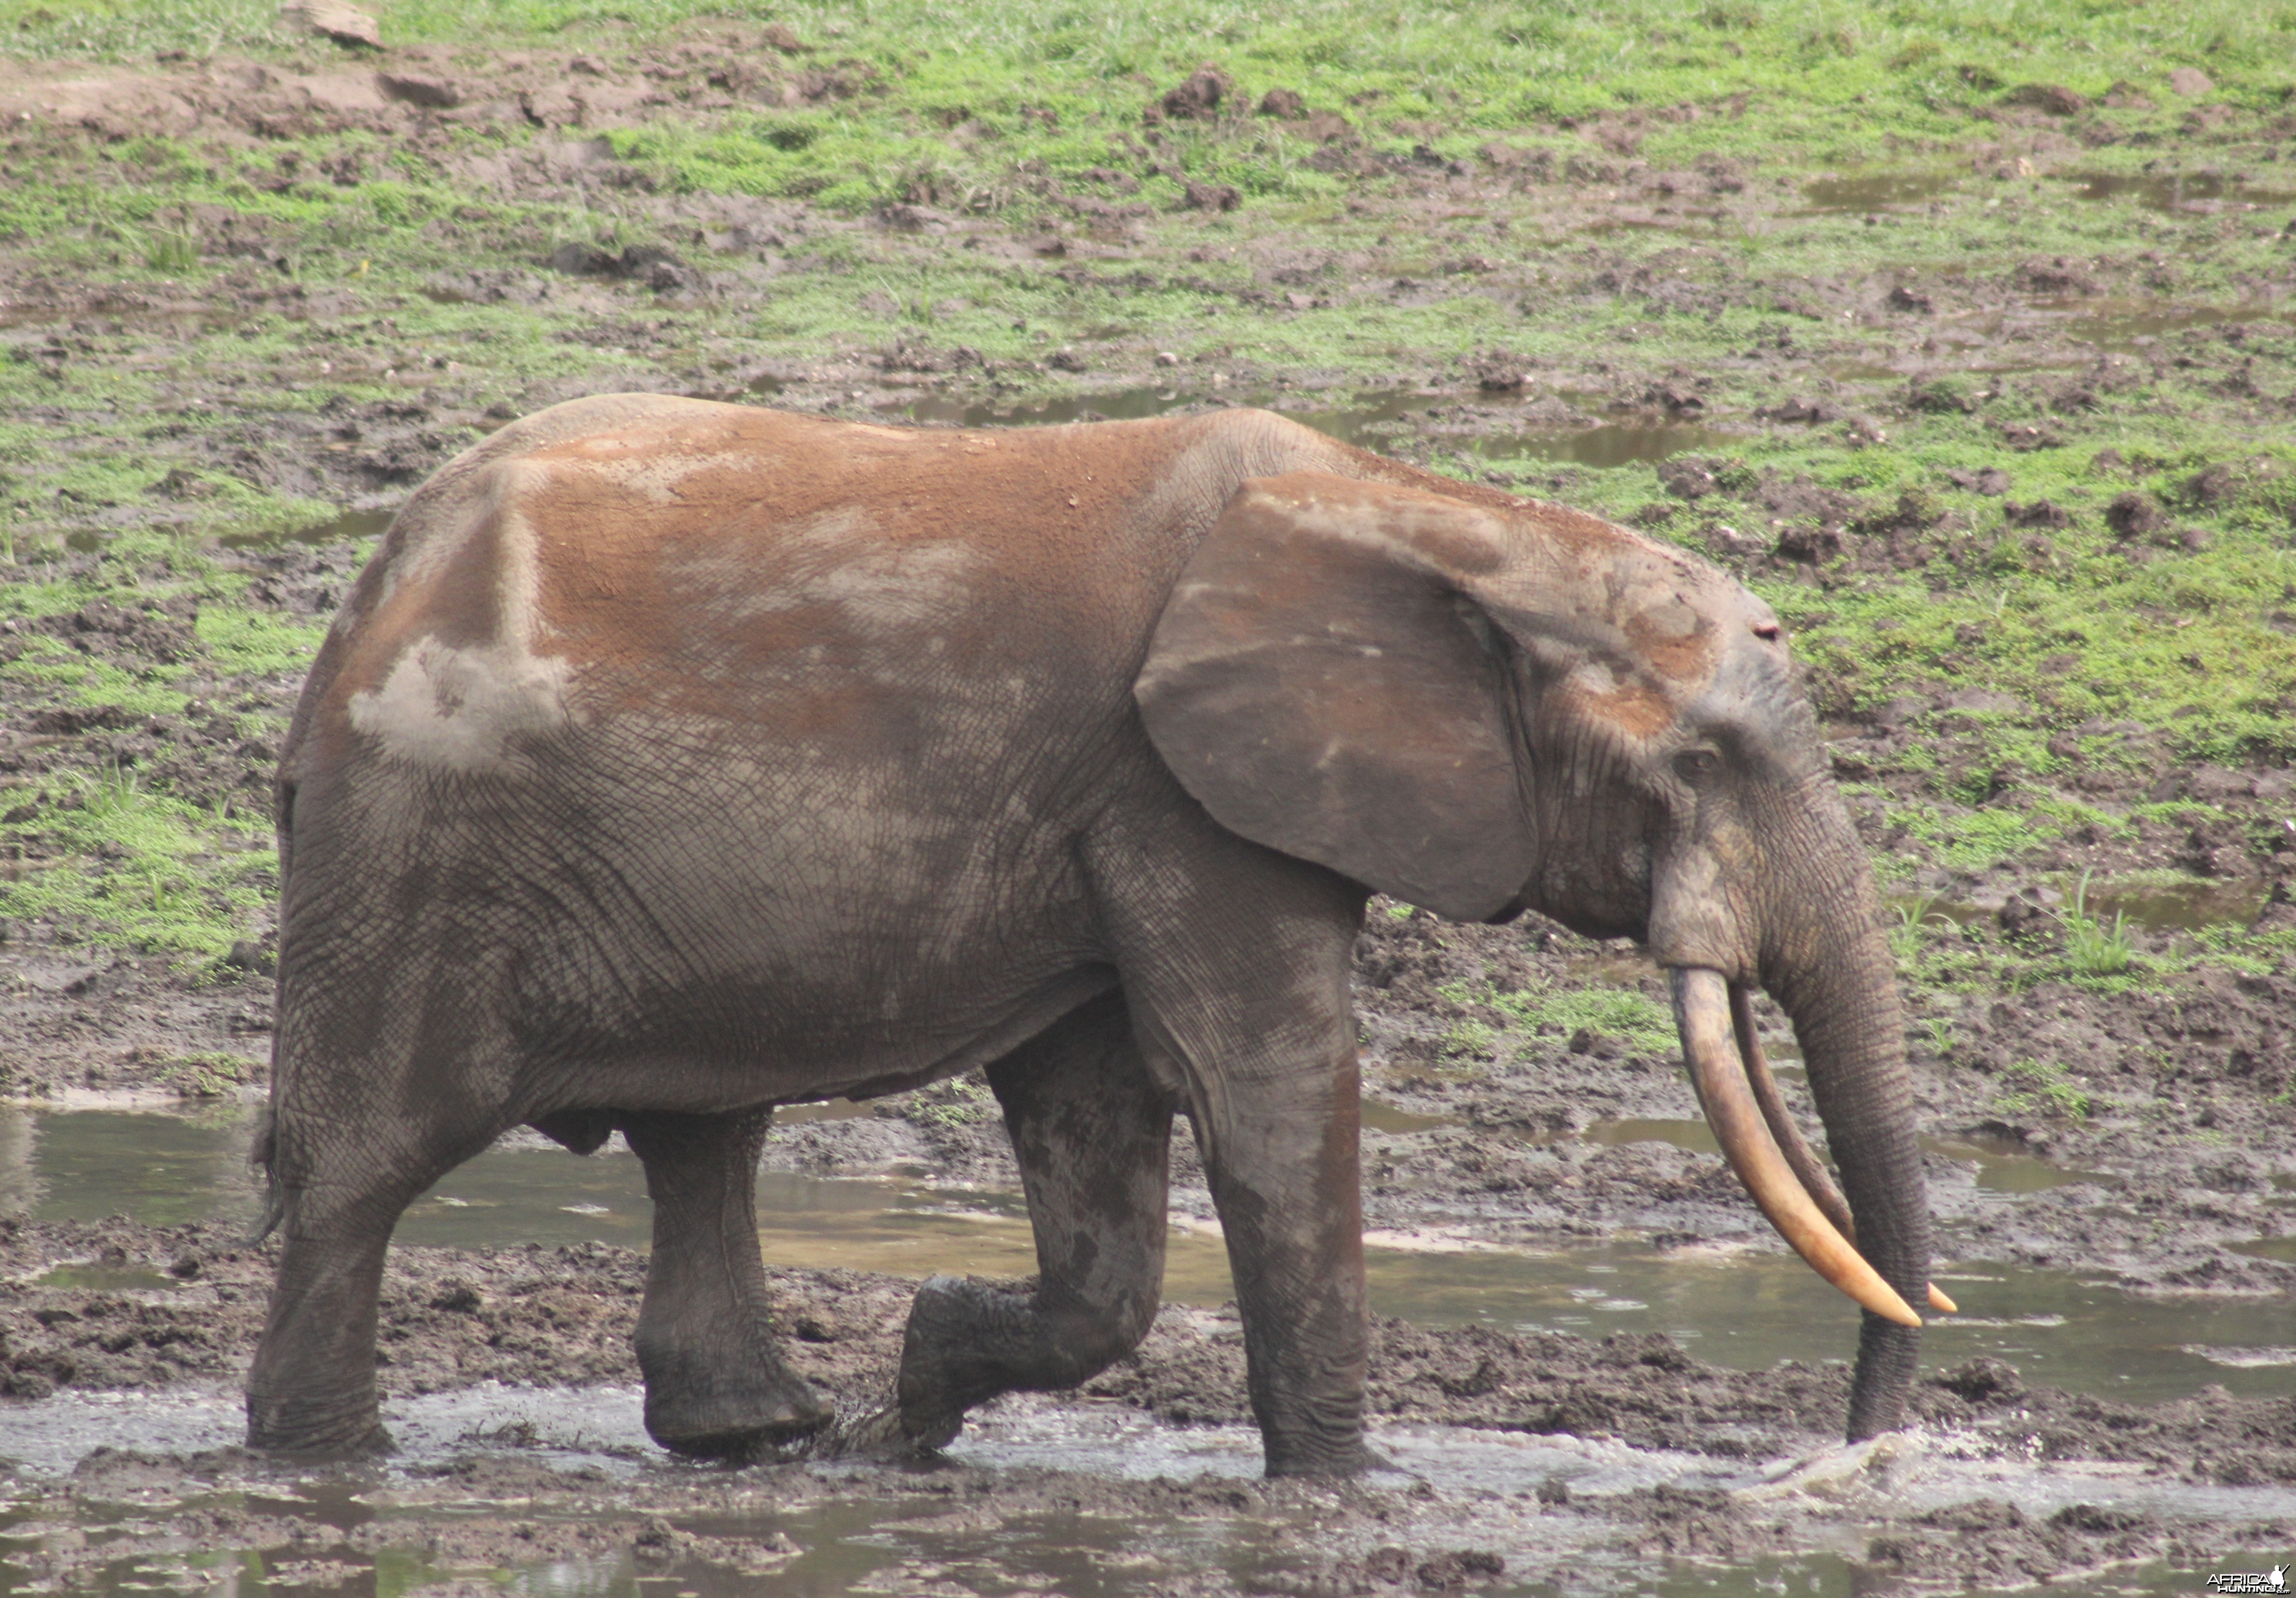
{"x": 676, "y": 557}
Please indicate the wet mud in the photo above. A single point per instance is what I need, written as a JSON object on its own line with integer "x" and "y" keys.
{"x": 508, "y": 1377}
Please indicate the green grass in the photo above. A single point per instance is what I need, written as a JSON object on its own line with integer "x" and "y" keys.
{"x": 968, "y": 106}
{"x": 117, "y": 859}
{"x": 954, "y": 1102}
{"x": 2092, "y": 947}
{"x": 209, "y": 1074}
{"x": 2175, "y": 640}
{"x": 1912, "y": 920}
{"x": 992, "y": 110}
{"x": 144, "y": 870}
{"x": 1524, "y": 64}
{"x": 2047, "y": 1089}
{"x": 1471, "y": 1040}
{"x": 1611, "y": 1012}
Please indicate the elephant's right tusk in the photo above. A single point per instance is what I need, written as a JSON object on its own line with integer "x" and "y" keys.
{"x": 1701, "y": 1011}
{"x": 1800, "y": 1156}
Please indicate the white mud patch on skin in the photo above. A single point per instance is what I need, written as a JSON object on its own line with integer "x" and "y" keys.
{"x": 464, "y": 709}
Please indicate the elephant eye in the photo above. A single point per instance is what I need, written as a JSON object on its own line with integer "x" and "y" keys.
{"x": 1694, "y": 765}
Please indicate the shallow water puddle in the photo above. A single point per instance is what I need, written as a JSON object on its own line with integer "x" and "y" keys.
{"x": 335, "y": 530}
{"x": 1729, "y": 1306}
{"x": 1875, "y": 191}
{"x": 2189, "y": 906}
{"x": 2134, "y": 325}
{"x": 2056, "y": 334}
{"x": 1372, "y": 420}
{"x": 1747, "y": 1311}
{"x": 2176, "y": 191}
{"x": 2184, "y": 907}
{"x": 1379, "y": 1116}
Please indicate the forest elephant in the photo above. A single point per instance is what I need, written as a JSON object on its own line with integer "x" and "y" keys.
{"x": 672, "y": 760}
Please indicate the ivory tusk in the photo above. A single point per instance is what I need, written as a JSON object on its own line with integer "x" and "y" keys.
{"x": 1803, "y": 1159}
{"x": 1701, "y": 1008}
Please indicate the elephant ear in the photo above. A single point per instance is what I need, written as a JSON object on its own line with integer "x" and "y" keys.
{"x": 1322, "y": 682}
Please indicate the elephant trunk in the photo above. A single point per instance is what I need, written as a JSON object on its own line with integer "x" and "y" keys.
{"x": 1824, "y": 955}
{"x": 1828, "y": 963}
{"x": 1799, "y": 1202}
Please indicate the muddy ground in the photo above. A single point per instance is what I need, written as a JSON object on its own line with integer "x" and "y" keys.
{"x": 2160, "y": 1101}
{"x": 563, "y": 1318}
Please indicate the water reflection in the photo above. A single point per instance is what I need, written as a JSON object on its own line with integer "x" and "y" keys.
{"x": 1733, "y": 1307}
{"x": 1875, "y": 191}
{"x": 2128, "y": 325}
{"x": 2187, "y": 905}
{"x": 1379, "y": 1116}
{"x": 2184, "y": 907}
{"x": 350, "y": 524}
{"x": 2003, "y": 1167}
{"x": 2175, "y": 191}
{"x": 164, "y": 1170}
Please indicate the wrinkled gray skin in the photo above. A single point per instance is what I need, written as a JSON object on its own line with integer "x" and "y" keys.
{"x": 672, "y": 760}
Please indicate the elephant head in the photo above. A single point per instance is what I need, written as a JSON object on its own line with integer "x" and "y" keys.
{"x": 1479, "y": 704}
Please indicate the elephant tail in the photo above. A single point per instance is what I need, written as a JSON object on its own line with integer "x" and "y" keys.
{"x": 261, "y": 1153}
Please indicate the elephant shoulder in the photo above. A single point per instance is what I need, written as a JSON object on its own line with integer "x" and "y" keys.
{"x": 1263, "y": 443}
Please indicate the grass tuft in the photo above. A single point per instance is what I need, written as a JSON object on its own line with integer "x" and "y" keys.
{"x": 2046, "y": 1089}
{"x": 1914, "y": 919}
{"x": 2092, "y": 947}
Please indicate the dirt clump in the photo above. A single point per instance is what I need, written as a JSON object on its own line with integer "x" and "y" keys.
{"x": 2134, "y": 514}
{"x": 1198, "y": 98}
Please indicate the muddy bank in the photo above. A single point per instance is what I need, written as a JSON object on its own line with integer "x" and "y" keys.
{"x": 1622, "y": 1447}
{"x": 113, "y": 1306}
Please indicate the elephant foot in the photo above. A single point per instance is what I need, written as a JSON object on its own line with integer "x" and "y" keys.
{"x": 316, "y": 1432}
{"x": 949, "y": 1356}
{"x": 967, "y": 1343}
{"x": 885, "y": 1434}
{"x": 1351, "y": 1460}
{"x": 718, "y": 1419}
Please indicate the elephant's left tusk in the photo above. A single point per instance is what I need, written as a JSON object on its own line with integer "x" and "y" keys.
{"x": 1800, "y": 1156}
{"x": 1702, "y": 1010}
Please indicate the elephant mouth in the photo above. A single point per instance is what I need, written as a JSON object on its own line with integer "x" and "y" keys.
{"x": 1765, "y": 1148}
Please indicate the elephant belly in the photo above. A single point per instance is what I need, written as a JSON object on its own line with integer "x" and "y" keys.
{"x": 758, "y": 924}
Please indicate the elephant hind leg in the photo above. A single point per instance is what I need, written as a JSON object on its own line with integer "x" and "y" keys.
{"x": 311, "y": 1392}
{"x": 339, "y": 1186}
{"x": 1093, "y": 1136}
{"x": 715, "y": 1383}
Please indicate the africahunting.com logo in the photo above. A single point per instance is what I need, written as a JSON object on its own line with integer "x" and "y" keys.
{"x": 2275, "y": 1580}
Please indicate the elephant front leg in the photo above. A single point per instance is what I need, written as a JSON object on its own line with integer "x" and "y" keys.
{"x": 715, "y": 1380}
{"x": 1236, "y": 970}
{"x": 1283, "y": 1170}
{"x": 1092, "y": 1137}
